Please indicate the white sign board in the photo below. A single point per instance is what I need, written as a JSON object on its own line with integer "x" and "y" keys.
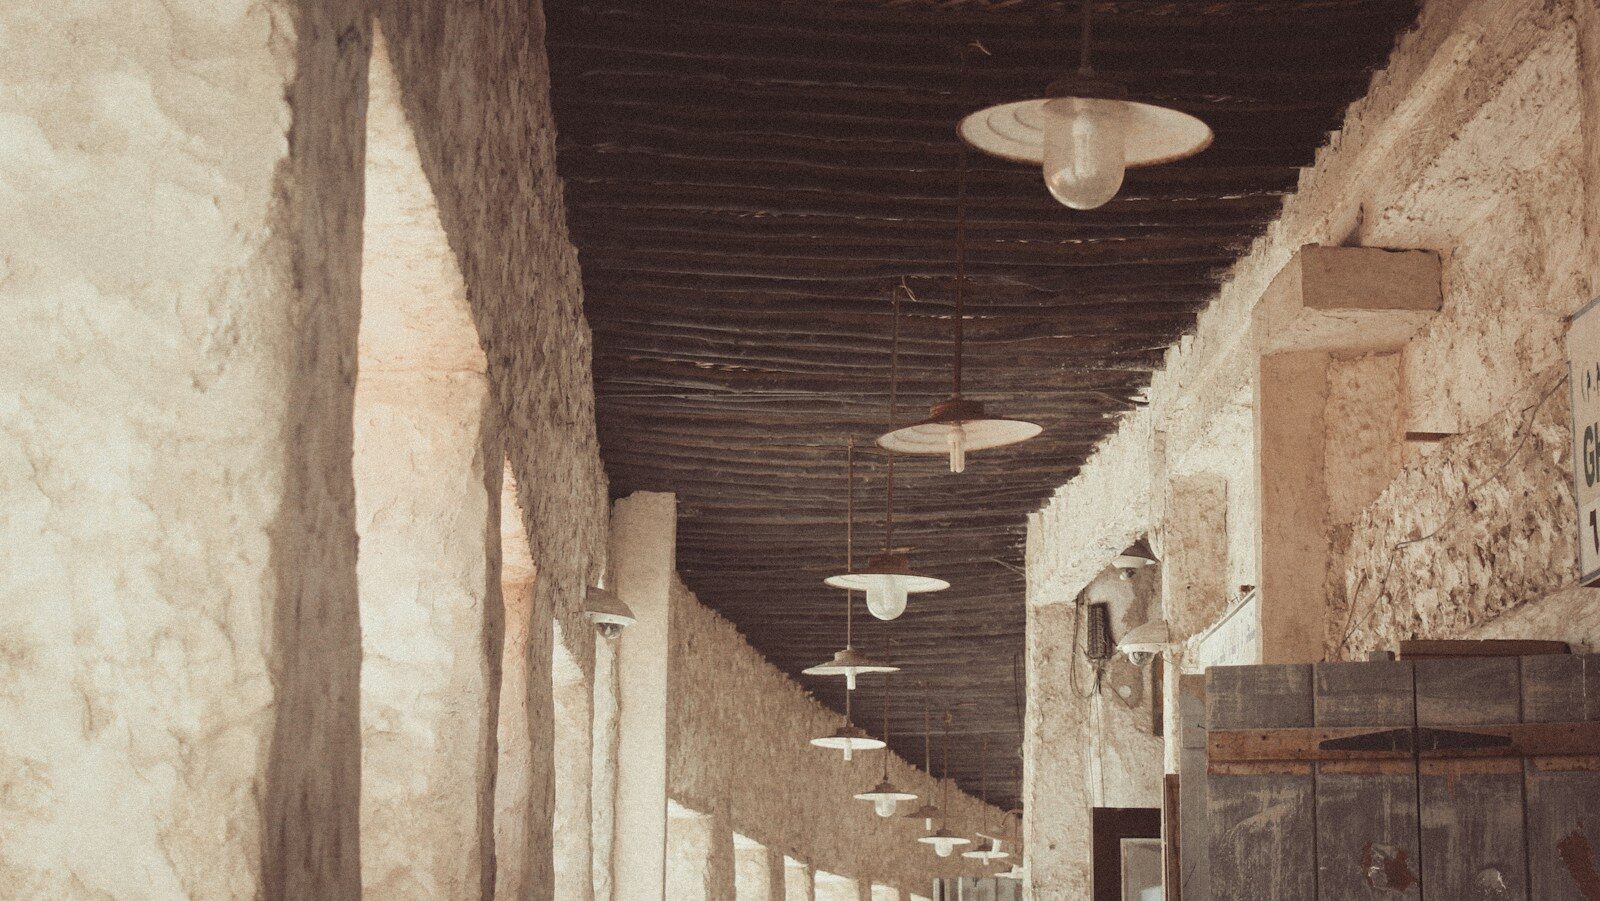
{"x": 1233, "y": 640}
{"x": 1583, "y": 355}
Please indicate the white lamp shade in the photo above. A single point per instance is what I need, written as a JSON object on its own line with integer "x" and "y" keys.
{"x": 849, "y": 663}
{"x": 944, "y": 842}
{"x": 955, "y": 427}
{"x": 848, "y": 739}
{"x": 1152, "y": 135}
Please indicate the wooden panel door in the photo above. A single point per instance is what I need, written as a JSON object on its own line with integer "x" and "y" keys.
{"x": 1450, "y": 778}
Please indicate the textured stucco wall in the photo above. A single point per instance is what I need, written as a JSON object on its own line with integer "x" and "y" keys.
{"x": 1086, "y": 747}
{"x": 1474, "y": 142}
{"x": 737, "y": 749}
{"x": 179, "y": 265}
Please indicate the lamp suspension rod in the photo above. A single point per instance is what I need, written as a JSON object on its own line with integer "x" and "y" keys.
{"x": 927, "y": 729}
{"x": 849, "y": 539}
{"x": 1083, "y": 41}
{"x": 886, "y": 727}
{"x": 961, "y": 263}
{"x": 894, "y": 352}
{"x": 888, "y": 513}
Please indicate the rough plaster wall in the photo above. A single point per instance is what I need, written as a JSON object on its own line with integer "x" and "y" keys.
{"x": 177, "y": 622}
{"x": 737, "y": 747}
{"x": 1085, "y": 749}
{"x": 475, "y": 84}
{"x": 1513, "y": 542}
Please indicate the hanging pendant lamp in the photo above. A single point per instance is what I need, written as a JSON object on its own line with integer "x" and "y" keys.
{"x": 847, "y": 738}
{"x": 885, "y": 796}
{"x": 1085, "y": 133}
{"x": 849, "y": 662}
{"x": 955, "y": 425}
{"x": 927, "y": 813}
{"x": 944, "y": 841}
{"x": 888, "y": 578}
{"x": 1000, "y": 839}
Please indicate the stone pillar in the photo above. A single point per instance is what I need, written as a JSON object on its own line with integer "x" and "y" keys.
{"x": 603, "y": 767}
{"x": 429, "y": 472}
{"x": 643, "y": 562}
{"x": 756, "y": 870}
{"x": 1292, "y": 526}
{"x": 798, "y": 881}
{"x": 572, "y": 699}
{"x": 179, "y": 265}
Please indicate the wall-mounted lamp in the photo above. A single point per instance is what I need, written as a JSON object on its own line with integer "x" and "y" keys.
{"x": 1137, "y": 556}
{"x": 607, "y": 611}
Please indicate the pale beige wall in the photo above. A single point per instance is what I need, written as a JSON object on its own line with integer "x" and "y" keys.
{"x": 737, "y": 748}
{"x": 178, "y": 638}
{"x": 1477, "y": 142}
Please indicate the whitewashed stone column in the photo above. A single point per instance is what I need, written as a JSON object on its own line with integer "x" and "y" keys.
{"x": 179, "y": 266}
{"x": 428, "y": 471}
{"x": 643, "y": 561}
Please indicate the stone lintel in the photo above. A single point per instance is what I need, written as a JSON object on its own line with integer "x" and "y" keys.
{"x": 1347, "y": 299}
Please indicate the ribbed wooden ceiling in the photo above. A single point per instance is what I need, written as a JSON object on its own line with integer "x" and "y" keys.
{"x": 747, "y": 179}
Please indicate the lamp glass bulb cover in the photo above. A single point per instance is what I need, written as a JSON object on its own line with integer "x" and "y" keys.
{"x": 885, "y": 807}
{"x": 886, "y": 598}
{"x": 1084, "y": 150}
{"x": 944, "y": 842}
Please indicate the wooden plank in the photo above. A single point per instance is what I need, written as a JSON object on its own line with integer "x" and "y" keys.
{"x": 1421, "y": 649}
{"x": 1262, "y": 826}
{"x": 1263, "y": 837}
{"x": 1371, "y": 694}
{"x": 1194, "y": 880}
{"x": 1552, "y": 688}
{"x": 1171, "y": 840}
{"x": 1473, "y": 841}
{"x": 1468, "y": 690}
{"x": 1366, "y": 816}
{"x": 1563, "y": 793}
{"x": 1259, "y": 697}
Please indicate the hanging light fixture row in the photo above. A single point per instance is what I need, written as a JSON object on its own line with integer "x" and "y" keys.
{"x": 1085, "y": 133}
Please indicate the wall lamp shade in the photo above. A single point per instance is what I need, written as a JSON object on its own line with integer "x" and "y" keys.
{"x": 1085, "y": 134}
{"x": 849, "y": 663}
{"x": 849, "y": 739}
{"x": 1136, "y": 557}
{"x": 928, "y": 814}
{"x": 607, "y": 611}
{"x": 955, "y": 427}
{"x": 887, "y": 580}
{"x": 944, "y": 841}
{"x": 884, "y": 796}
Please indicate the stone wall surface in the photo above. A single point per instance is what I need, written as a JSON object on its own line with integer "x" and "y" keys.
{"x": 1475, "y": 142}
{"x": 179, "y": 262}
{"x": 737, "y": 750}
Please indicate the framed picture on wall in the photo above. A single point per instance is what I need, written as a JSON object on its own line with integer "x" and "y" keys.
{"x": 1127, "y": 854}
